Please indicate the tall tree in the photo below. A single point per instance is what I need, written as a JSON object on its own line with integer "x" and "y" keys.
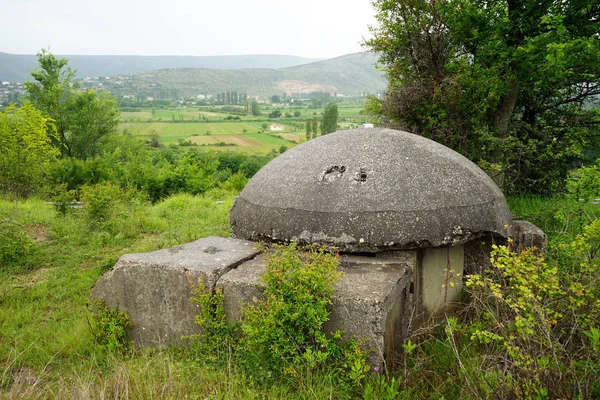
{"x": 81, "y": 118}
{"x": 254, "y": 108}
{"x": 330, "y": 116}
{"x": 308, "y": 130}
{"x": 315, "y": 127}
{"x": 508, "y": 83}
{"x": 25, "y": 149}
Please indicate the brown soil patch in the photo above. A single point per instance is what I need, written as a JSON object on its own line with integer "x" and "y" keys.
{"x": 203, "y": 139}
{"x": 32, "y": 278}
{"x": 238, "y": 140}
{"x": 291, "y": 86}
{"x": 37, "y": 232}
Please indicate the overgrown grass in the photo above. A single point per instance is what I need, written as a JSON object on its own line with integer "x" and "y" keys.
{"x": 43, "y": 299}
{"x": 48, "y": 351}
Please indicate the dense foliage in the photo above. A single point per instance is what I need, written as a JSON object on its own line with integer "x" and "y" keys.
{"x": 25, "y": 149}
{"x": 280, "y": 336}
{"x": 81, "y": 118}
{"x": 510, "y": 84}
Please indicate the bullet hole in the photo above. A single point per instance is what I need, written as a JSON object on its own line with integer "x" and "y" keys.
{"x": 336, "y": 168}
{"x": 334, "y": 171}
{"x": 361, "y": 176}
{"x": 210, "y": 250}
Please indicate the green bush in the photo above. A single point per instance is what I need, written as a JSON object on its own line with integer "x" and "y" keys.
{"x": 584, "y": 183}
{"x": 285, "y": 329}
{"x": 542, "y": 323}
{"x": 282, "y": 336}
{"x": 98, "y": 202}
{"x": 109, "y": 327}
{"x": 15, "y": 247}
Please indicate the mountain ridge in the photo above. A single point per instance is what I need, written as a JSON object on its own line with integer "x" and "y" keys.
{"x": 18, "y": 67}
{"x": 351, "y": 74}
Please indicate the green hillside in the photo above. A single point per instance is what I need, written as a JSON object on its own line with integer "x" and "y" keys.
{"x": 351, "y": 74}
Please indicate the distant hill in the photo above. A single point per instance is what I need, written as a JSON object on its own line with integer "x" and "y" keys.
{"x": 17, "y": 67}
{"x": 349, "y": 75}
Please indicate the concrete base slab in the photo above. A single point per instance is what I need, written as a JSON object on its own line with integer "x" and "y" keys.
{"x": 370, "y": 302}
{"x": 155, "y": 288}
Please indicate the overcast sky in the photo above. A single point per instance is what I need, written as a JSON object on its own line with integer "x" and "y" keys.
{"x": 309, "y": 28}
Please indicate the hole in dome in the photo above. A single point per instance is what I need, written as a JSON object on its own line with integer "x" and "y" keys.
{"x": 361, "y": 176}
{"x": 334, "y": 171}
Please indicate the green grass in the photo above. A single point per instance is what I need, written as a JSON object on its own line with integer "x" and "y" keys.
{"x": 143, "y": 124}
{"x": 47, "y": 350}
{"x": 175, "y": 132}
{"x": 171, "y": 132}
{"x": 559, "y": 217}
{"x": 43, "y": 311}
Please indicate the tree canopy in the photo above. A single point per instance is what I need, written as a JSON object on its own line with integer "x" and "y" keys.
{"x": 25, "y": 149}
{"x": 508, "y": 83}
{"x": 330, "y": 116}
{"x": 81, "y": 118}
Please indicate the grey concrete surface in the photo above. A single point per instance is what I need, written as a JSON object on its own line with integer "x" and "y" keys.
{"x": 370, "y": 190}
{"x": 525, "y": 234}
{"x": 155, "y": 288}
{"x": 440, "y": 279}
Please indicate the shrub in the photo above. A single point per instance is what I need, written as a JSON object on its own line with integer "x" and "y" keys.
{"x": 282, "y": 336}
{"x": 584, "y": 183}
{"x": 540, "y": 323}
{"x": 285, "y": 329}
{"x": 25, "y": 149}
{"x": 15, "y": 246}
{"x": 98, "y": 202}
{"x": 109, "y": 327}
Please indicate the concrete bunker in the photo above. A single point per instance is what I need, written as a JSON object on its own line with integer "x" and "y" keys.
{"x": 378, "y": 192}
{"x": 405, "y": 213}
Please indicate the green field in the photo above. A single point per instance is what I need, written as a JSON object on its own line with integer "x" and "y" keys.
{"x": 172, "y": 132}
{"x": 209, "y": 127}
{"x": 229, "y": 136}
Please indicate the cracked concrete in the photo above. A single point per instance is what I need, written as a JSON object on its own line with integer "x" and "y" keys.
{"x": 370, "y": 301}
{"x": 155, "y": 288}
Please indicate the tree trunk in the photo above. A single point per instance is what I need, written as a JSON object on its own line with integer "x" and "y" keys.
{"x": 506, "y": 109}
{"x": 501, "y": 124}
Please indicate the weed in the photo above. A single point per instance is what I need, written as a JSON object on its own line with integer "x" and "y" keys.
{"x": 15, "y": 247}
{"x": 285, "y": 328}
{"x": 216, "y": 333}
{"x": 109, "y": 327}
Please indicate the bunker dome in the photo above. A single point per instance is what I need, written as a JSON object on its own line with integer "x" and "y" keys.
{"x": 370, "y": 191}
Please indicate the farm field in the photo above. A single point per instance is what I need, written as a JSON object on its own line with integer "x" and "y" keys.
{"x": 229, "y": 136}
{"x": 221, "y": 131}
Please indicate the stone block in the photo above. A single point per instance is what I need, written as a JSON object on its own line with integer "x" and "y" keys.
{"x": 155, "y": 288}
{"x": 370, "y": 302}
{"x": 242, "y": 286}
{"x": 525, "y": 234}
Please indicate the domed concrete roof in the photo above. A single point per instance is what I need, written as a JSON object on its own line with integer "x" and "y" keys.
{"x": 370, "y": 190}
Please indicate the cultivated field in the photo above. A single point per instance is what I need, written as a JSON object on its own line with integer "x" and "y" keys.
{"x": 222, "y": 131}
